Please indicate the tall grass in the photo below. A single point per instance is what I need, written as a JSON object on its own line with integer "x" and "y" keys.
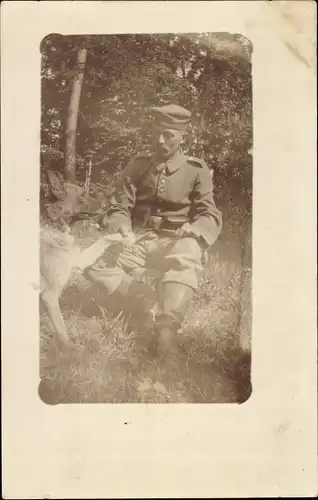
{"x": 114, "y": 366}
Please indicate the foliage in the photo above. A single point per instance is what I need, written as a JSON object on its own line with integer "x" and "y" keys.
{"x": 210, "y": 74}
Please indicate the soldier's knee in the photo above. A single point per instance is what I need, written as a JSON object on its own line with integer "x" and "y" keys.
{"x": 184, "y": 263}
{"x": 186, "y": 252}
{"x": 110, "y": 277}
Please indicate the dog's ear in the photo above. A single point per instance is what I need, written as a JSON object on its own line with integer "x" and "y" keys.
{"x": 56, "y": 183}
{"x": 73, "y": 190}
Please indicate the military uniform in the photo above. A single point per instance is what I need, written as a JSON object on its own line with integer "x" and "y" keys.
{"x": 154, "y": 198}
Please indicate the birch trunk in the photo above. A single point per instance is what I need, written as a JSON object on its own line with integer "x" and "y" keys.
{"x": 70, "y": 147}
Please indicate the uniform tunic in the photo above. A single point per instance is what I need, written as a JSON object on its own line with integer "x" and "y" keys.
{"x": 181, "y": 186}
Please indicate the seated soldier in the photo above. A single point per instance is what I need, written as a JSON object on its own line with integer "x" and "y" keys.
{"x": 166, "y": 199}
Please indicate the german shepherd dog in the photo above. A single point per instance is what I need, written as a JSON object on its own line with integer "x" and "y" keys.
{"x": 59, "y": 255}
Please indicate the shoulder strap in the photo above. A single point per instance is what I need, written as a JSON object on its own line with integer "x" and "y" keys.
{"x": 196, "y": 161}
{"x": 143, "y": 171}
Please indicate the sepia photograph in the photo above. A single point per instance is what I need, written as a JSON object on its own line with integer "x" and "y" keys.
{"x": 146, "y": 162}
{"x": 159, "y": 249}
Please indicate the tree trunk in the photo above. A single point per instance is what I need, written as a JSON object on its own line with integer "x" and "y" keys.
{"x": 70, "y": 147}
{"x": 202, "y": 98}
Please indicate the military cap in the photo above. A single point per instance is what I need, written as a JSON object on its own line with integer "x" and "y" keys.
{"x": 171, "y": 116}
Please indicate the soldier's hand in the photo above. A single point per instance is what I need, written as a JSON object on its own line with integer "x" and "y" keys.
{"x": 188, "y": 230}
{"x": 127, "y": 234}
{"x": 129, "y": 238}
{"x": 123, "y": 230}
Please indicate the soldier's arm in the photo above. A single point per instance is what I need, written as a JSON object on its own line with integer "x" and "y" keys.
{"x": 122, "y": 201}
{"x": 207, "y": 220}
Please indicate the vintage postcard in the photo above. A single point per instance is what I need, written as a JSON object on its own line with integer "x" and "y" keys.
{"x": 159, "y": 243}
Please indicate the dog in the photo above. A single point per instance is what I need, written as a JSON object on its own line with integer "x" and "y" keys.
{"x": 60, "y": 257}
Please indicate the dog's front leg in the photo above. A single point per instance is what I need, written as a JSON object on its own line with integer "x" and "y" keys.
{"x": 51, "y": 302}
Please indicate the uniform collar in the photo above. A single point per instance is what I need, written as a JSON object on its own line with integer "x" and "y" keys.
{"x": 176, "y": 161}
{"x": 172, "y": 164}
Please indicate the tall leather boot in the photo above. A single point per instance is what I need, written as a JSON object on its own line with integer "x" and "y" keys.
{"x": 174, "y": 299}
{"x": 138, "y": 300}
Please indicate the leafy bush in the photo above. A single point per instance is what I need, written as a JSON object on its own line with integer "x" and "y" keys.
{"x": 127, "y": 74}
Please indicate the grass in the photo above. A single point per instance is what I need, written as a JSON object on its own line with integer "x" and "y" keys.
{"x": 114, "y": 367}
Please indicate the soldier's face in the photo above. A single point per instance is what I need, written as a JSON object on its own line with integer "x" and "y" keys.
{"x": 166, "y": 141}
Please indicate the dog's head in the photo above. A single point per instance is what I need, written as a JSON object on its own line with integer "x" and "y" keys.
{"x": 71, "y": 201}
